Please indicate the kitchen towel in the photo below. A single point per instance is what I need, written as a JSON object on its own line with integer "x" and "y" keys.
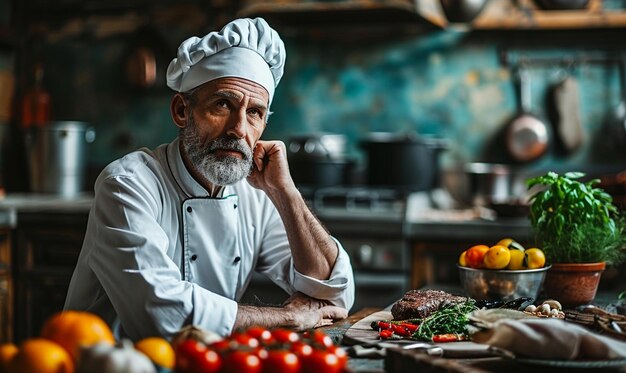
{"x": 550, "y": 339}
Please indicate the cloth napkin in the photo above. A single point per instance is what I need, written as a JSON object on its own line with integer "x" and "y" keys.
{"x": 552, "y": 339}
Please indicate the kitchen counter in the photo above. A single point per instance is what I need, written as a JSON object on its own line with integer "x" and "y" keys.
{"x": 17, "y": 203}
{"x": 469, "y": 230}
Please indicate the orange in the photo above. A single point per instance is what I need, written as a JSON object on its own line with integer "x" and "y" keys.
{"x": 73, "y": 329}
{"x": 498, "y": 257}
{"x": 517, "y": 260}
{"x": 38, "y": 355}
{"x": 463, "y": 259}
{"x": 159, "y": 350}
{"x": 535, "y": 258}
{"x": 7, "y": 351}
{"x": 475, "y": 255}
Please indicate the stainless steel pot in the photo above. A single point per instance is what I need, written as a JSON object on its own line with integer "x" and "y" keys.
{"x": 319, "y": 160}
{"x": 485, "y": 185}
{"x": 57, "y": 157}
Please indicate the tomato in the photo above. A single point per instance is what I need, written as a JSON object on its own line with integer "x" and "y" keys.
{"x": 194, "y": 357}
{"x": 319, "y": 339}
{"x": 475, "y": 254}
{"x": 241, "y": 362}
{"x": 245, "y": 339}
{"x": 322, "y": 362}
{"x": 301, "y": 349}
{"x": 223, "y": 345}
{"x": 281, "y": 361}
{"x": 341, "y": 354}
{"x": 282, "y": 335}
{"x": 261, "y": 334}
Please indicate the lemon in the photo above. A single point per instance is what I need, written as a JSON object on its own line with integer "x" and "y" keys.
{"x": 511, "y": 244}
{"x": 517, "y": 260}
{"x": 535, "y": 258}
{"x": 159, "y": 350}
{"x": 498, "y": 257}
{"x": 462, "y": 260}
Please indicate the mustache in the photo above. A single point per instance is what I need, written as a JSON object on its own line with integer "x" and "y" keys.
{"x": 229, "y": 143}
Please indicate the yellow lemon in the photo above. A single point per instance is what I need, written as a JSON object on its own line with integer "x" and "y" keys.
{"x": 497, "y": 257}
{"x": 159, "y": 350}
{"x": 535, "y": 258}
{"x": 511, "y": 244}
{"x": 462, "y": 260}
{"x": 517, "y": 260}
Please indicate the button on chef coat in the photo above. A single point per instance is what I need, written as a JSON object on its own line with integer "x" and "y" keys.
{"x": 159, "y": 253}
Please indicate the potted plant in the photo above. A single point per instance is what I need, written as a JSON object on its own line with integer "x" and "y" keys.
{"x": 580, "y": 231}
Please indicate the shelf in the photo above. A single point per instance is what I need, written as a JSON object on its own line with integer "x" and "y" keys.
{"x": 525, "y": 15}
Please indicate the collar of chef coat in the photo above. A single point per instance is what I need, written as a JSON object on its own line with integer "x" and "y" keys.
{"x": 183, "y": 177}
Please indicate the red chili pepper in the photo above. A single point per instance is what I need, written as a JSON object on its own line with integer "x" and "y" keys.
{"x": 444, "y": 338}
{"x": 384, "y": 325}
{"x": 400, "y": 330}
{"x": 410, "y": 327}
{"x": 385, "y": 334}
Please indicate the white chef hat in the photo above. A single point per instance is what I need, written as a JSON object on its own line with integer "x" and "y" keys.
{"x": 244, "y": 48}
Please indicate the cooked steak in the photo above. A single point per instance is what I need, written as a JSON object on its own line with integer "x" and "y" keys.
{"x": 418, "y": 304}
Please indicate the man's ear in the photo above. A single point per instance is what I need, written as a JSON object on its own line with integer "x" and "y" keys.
{"x": 178, "y": 109}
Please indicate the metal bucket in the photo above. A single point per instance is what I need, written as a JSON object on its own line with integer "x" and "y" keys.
{"x": 57, "y": 159}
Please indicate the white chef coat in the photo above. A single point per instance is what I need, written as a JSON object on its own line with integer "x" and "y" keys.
{"x": 159, "y": 253}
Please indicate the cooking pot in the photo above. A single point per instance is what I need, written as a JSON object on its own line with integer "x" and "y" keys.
{"x": 405, "y": 162}
{"x": 462, "y": 10}
{"x": 486, "y": 185}
{"x": 57, "y": 156}
{"x": 318, "y": 160}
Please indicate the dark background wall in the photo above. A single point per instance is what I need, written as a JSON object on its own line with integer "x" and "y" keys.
{"x": 452, "y": 85}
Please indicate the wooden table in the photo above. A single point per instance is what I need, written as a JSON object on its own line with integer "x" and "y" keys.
{"x": 432, "y": 364}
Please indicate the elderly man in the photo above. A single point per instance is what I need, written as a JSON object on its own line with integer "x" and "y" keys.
{"x": 175, "y": 233}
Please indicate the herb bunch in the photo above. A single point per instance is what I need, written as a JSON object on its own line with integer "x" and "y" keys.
{"x": 576, "y": 222}
{"x": 450, "y": 319}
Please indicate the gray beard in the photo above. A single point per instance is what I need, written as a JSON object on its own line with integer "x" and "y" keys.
{"x": 218, "y": 170}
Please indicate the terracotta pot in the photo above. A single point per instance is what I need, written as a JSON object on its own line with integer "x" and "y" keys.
{"x": 573, "y": 284}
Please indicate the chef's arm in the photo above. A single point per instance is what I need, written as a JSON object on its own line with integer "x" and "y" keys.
{"x": 299, "y": 312}
{"x": 314, "y": 251}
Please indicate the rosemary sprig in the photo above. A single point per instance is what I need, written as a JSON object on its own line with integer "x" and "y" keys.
{"x": 450, "y": 319}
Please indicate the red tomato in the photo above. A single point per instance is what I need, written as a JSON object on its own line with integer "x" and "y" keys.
{"x": 244, "y": 339}
{"x": 301, "y": 349}
{"x": 223, "y": 345}
{"x": 194, "y": 357}
{"x": 322, "y": 362}
{"x": 241, "y": 362}
{"x": 282, "y": 335}
{"x": 263, "y": 335}
{"x": 320, "y": 339}
{"x": 281, "y": 361}
{"x": 341, "y": 354}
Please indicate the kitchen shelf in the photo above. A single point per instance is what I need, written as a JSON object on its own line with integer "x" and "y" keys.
{"x": 525, "y": 15}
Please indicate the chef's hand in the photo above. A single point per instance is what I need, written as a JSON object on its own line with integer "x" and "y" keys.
{"x": 270, "y": 170}
{"x": 310, "y": 313}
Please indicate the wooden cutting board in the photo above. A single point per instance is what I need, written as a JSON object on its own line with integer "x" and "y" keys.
{"x": 361, "y": 333}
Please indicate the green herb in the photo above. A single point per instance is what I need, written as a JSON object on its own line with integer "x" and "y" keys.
{"x": 449, "y": 319}
{"x": 576, "y": 222}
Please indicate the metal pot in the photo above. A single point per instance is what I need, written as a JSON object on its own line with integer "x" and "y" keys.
{"x": 57, "y": 156}
{"x": 485, "y": 185}
{"x": 318, "y": 160}
{"x": 462, "y": 10}
{"x": 404, "y": 162}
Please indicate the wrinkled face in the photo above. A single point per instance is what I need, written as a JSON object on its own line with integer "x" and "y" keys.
{"x": 226, "y": 118}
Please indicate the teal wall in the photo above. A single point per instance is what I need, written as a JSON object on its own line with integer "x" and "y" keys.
{"x": 444, "y": 84}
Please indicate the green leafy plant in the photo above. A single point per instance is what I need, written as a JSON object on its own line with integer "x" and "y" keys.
{"x": 576, "y": 222}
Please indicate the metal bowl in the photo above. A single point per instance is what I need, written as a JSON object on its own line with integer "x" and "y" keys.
{"x": 502, "y": 284}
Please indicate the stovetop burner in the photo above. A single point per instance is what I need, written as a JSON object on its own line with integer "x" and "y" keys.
{"x": 359, "y": 203}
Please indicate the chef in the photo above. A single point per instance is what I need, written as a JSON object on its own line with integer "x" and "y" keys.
{"x": 175, "y": 233}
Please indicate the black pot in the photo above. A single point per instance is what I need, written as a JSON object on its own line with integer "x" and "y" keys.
{"x": 406, "y": 163}
{"x": 320, "y": 173}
